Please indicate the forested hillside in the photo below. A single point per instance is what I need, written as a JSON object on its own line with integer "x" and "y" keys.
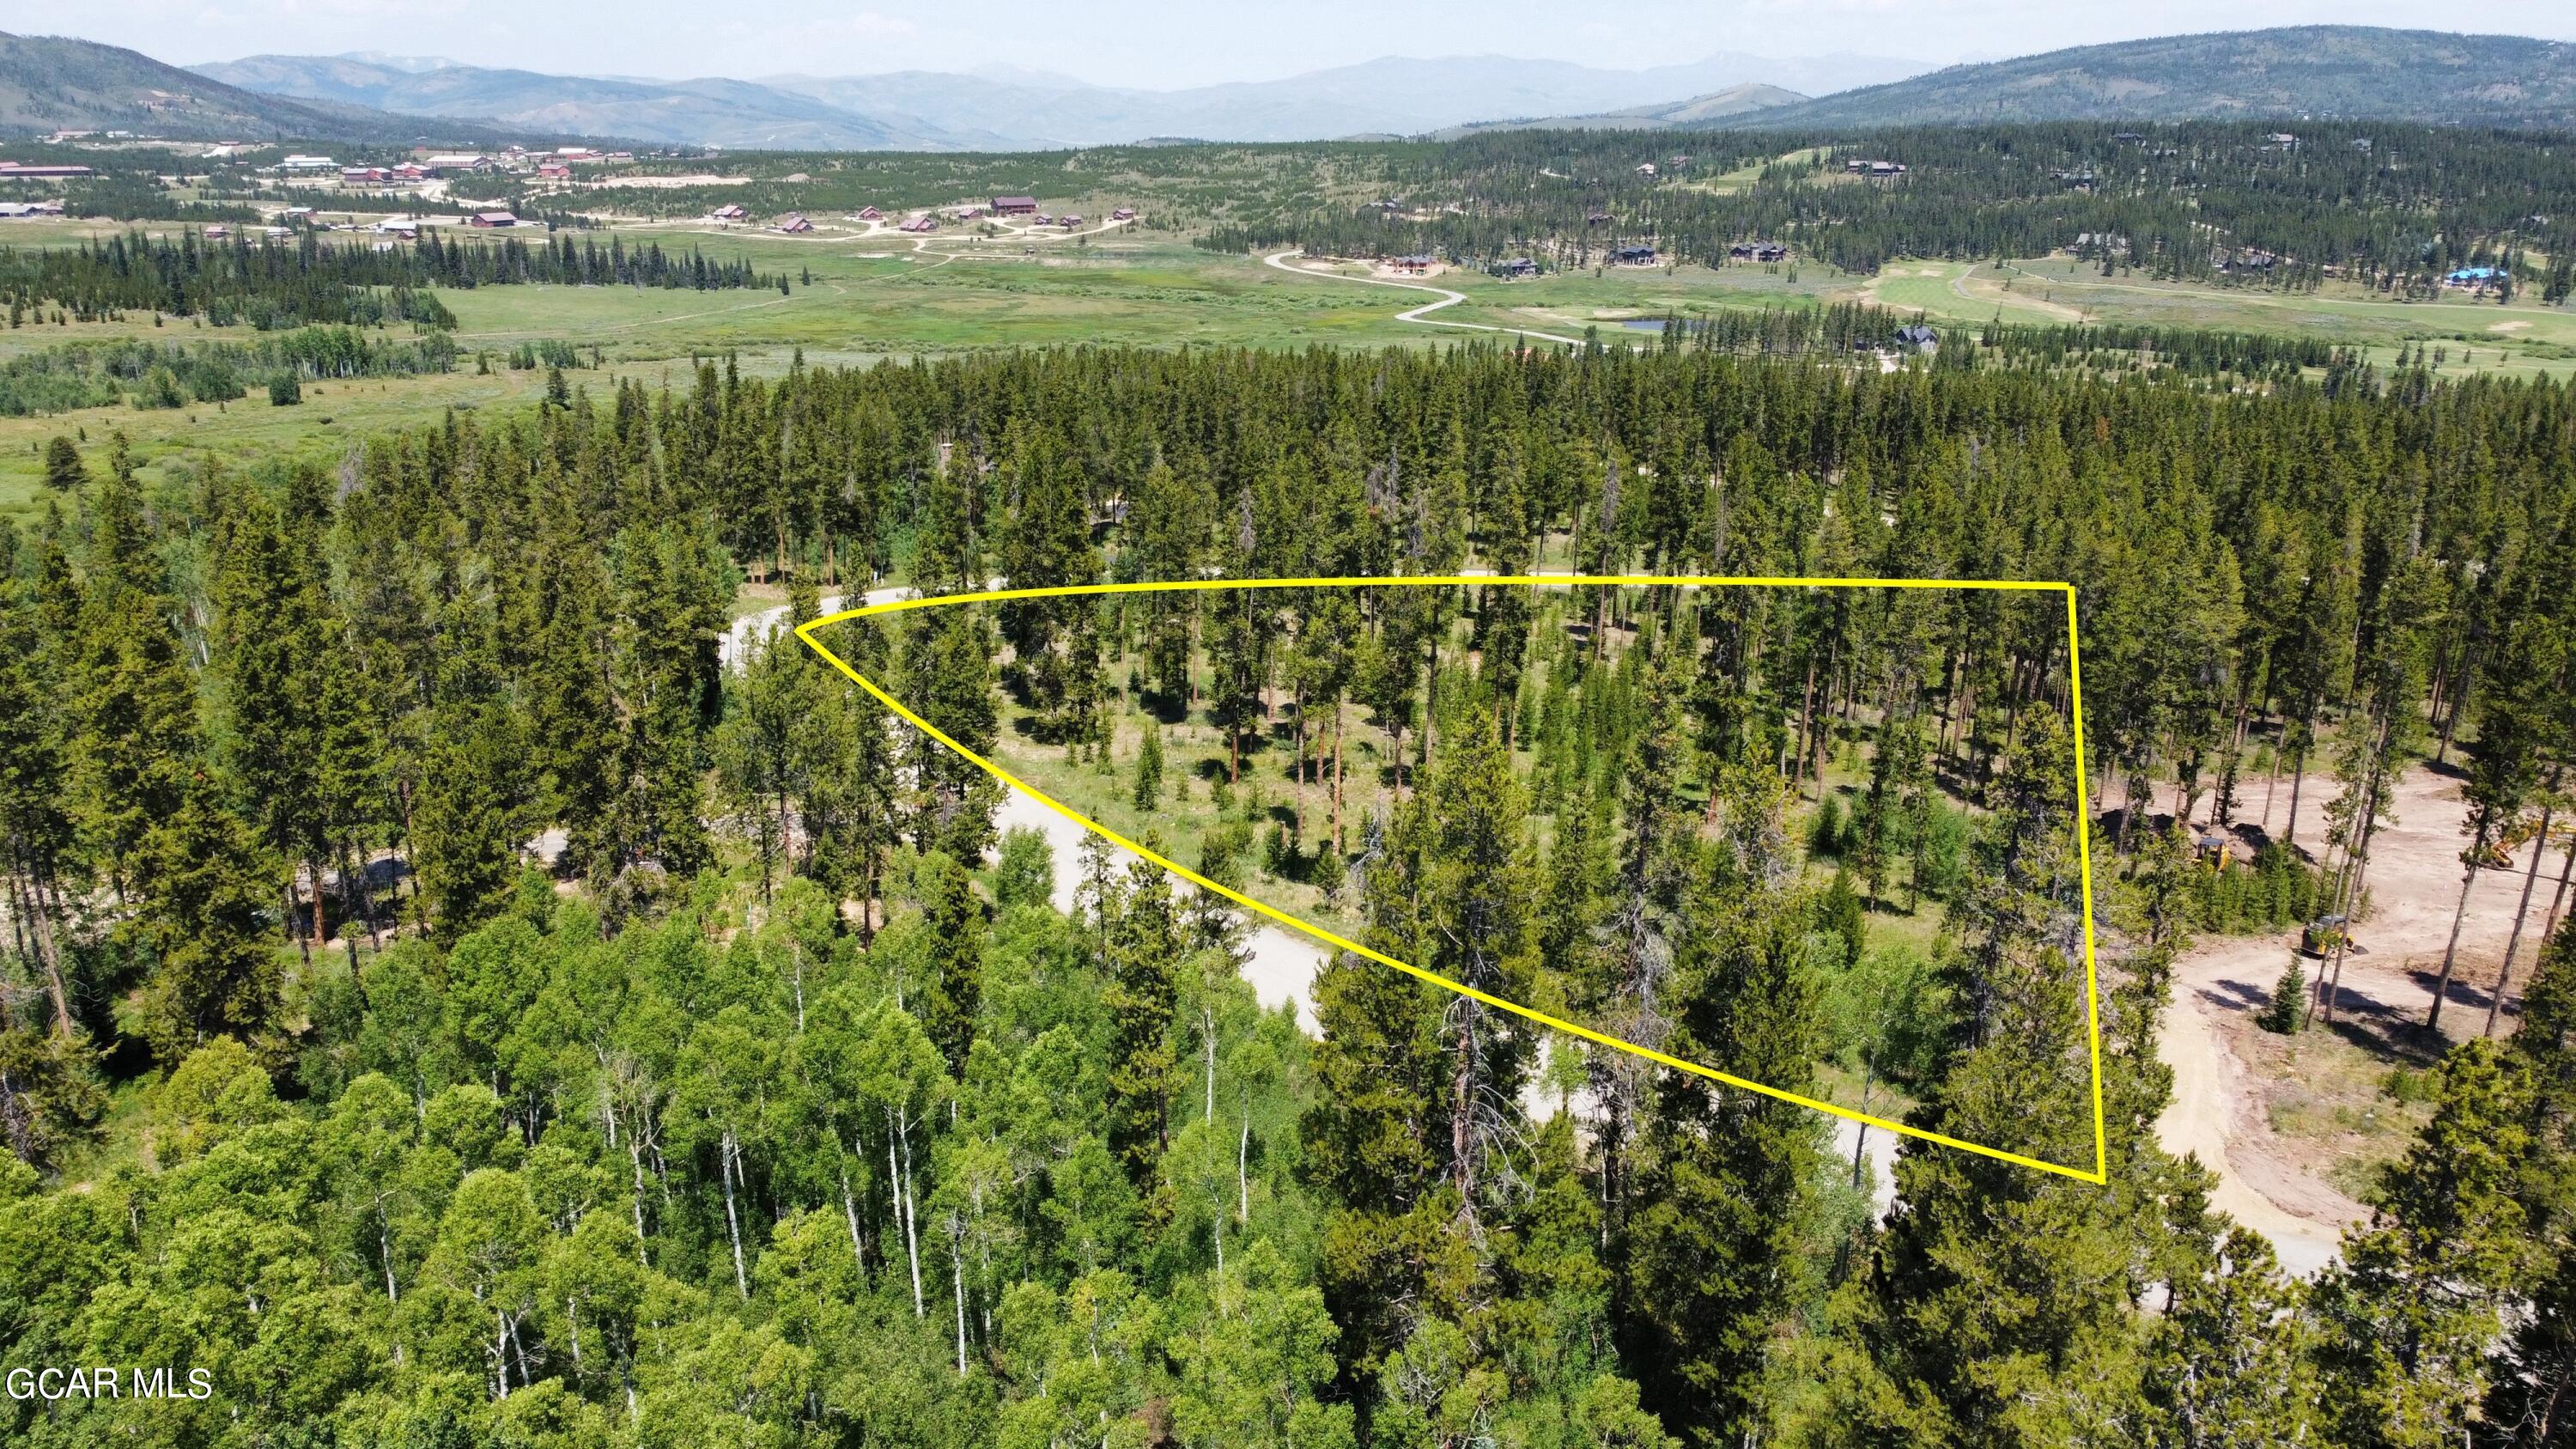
{"x": 2394, "y": 206}
{"x": 764, "y": 1100}
{"x": 50, "y": 82}
{"x": 2303, "y": 71}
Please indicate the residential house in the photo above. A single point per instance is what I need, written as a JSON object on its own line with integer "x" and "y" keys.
{"x": 919, "y": 221}
{"x": 1632, "y": 256}
{"x": 1758, "y": 251}
{"x": 1918, "y": 337}
{"x": 491, "y": 219}
{"x": 1414, "y": 265}
{"x": 727, "y": 212}
{"x": 1015, "y": 206}
{"x": 1124, "y": 213}
{"x": 1069, "y": 220}
{"x": 869, "y": 213}
{"x": 1514, "y": 267}
{"x": 794, "y": 222}
{"x": 1647, "y": 170}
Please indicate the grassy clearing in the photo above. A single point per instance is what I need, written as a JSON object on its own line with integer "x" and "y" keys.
{"x": 2355, "y": 1097}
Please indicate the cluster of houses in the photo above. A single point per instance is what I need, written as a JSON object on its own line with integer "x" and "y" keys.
{"x": 2246, "y": 259}
{"x": 1758, "y": 251}
{"x": 924, "y": 221}
{"x": 428, "y": 165}
{"x": 404, "y": 228}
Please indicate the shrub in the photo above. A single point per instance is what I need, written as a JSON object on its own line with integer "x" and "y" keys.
{"x": 2289, "y": 1001}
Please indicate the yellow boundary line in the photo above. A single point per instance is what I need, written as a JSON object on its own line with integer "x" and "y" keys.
{"x": 2100, "y": 1170}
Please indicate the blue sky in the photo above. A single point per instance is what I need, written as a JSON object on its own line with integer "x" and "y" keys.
{"x": 1165, "y": 44}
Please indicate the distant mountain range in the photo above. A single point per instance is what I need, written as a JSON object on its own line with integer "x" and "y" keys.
{"x": 917, "y": 110}
{"x": 2307, "y": 70}
{"x": 52, "y": 83}
{"x": 1734, "y": 104}
{"x": 693, "y": 112}
{"x": 2333, "y": 70}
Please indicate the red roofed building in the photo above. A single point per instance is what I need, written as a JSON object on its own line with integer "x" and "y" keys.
{"x": 492, "y": 218}
{"x": 1015, "y": 206}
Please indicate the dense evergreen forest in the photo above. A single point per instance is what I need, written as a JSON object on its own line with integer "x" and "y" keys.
{"x": 2393, "y": 206}
{"x": 273, "y": 284}
{"x": 762, "y": 1109}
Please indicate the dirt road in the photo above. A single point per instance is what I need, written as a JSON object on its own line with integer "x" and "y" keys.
{"x": 1422, "y": 313}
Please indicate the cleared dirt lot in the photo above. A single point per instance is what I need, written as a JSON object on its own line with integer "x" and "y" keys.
{"x": 2291, "y": 1124}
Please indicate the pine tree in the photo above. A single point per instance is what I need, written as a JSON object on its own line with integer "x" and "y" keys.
{"x": 949, "y": 675}
{"x": 572, "y": 714}
{"x": 1719, "y": 1210}
{"x": 954, "y": 996}
{"x": 2406, "y": 1318}
{"x": 2287, "y": 1011}
{"x": 269, "y": 623}
{"x": 468, "y": 820}
{"x": 38, "y": 834}
{"x": 63, "y": 470}
{"x": 1148, "y": 794}
{"x": 1046, "y": 543}
{"x": 207, "y": 921}
{"x": 1144, "y": 956}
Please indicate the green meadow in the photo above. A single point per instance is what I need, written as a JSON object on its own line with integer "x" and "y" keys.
{"x": 858, "y": 300}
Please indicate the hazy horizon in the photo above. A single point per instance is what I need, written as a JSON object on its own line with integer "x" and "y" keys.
{"x": 1160, "y": 44}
